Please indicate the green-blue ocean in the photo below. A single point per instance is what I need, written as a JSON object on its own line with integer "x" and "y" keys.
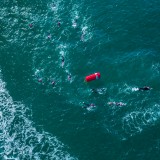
{"x": 48, "y": 111}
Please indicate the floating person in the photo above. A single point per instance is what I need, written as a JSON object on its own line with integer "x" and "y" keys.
{"x": 53, "y": 83}
{"x": 88, "y": 106}
{"x": 38, "y": 76}
{"x": 120, "y": 104}
{"x": 59, "y": 24}
{"x": 69, "y": 77}
{"x": 30, "y": 25}
{"x": 40, "y": 80}
{"x": 94, "y": 90}
{"x": 49, "y": 36}
{"x": 53, "y": 6}
{"x": 62, "y": 61}
{"x": 145, "y": 88}
{"x": 117, "y": 103}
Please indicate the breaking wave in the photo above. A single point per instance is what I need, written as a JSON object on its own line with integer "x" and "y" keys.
{"x": 19, "y": 139}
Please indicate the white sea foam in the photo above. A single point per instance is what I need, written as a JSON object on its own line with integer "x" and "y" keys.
{"x": 135, "y": 89}
{"x": 19, "y": 139}
{"x": 136, "y": 121}
{"x": 75, "y": 15}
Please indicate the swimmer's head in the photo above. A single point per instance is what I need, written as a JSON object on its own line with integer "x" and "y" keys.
{"x": 49, "y": 36}
{"x": 59, "y": 24}
{"x": 40, "y": 80}
{"x": 30, "y": 25}
{"x": 53, "y": 82}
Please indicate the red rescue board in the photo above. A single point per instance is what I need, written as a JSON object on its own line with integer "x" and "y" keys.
{"x": 93, "y": 77}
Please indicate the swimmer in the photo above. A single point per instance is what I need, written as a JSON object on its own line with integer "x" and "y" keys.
{"x": 69, "y": 77}
{"x": 92, "y": 105}
{"x": 53, "y": 83}
{"x": 59, "y": 24}
{"x": 86, "y": 105}
{"x": 94, "y": 90}
{"x": 40, "y": 80}
{"x": 145, "y": 88}
{"x": 53, "y": 5}
{"x": 74, "y": 23}
{"x": 62, "y": 61}
{"x": 120, "y": 104}
{"x": 49, "y": 36}
{"x": 30, "y": 25}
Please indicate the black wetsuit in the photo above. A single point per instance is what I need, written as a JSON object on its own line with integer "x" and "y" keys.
{"x": 144, "y": 88}
{"x": 62, "y": 59}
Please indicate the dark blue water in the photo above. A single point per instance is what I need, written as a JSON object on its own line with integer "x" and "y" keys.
{"x": 42, "y": 120}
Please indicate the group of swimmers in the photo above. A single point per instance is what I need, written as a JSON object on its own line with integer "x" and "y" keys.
{"x": 92, "y": 105}
{"x": 53, "y": 83}
{"x": 69, "y": 77}
{"x": 99, "y": 91}
{"x": 62, "y": 57}
{"x": 58, "y": 24}
{"x": 86, "y": 105}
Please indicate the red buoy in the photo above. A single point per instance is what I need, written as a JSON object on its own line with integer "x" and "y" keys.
{"x": 93, "y": 77}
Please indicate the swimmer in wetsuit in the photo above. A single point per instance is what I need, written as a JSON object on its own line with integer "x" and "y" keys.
{"x": 69, "y": 77}
{"x": 86, "y": 105}
{"x": 120, "y": 104}
{"x": 30, "y": 25}
{"x": 62, "y": 61}
{"x": 94, "y": 90}
{"x": 40, "y": 80}
{"x": 145, "y": 88}
{"x": 53, "y": 83}
{"x": 59, "y": 24}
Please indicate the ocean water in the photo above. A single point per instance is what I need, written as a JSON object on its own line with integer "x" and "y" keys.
{"x": 44, "y": 121}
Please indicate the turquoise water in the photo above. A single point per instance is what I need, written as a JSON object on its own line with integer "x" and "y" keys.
{"x": 119, "y": 39}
